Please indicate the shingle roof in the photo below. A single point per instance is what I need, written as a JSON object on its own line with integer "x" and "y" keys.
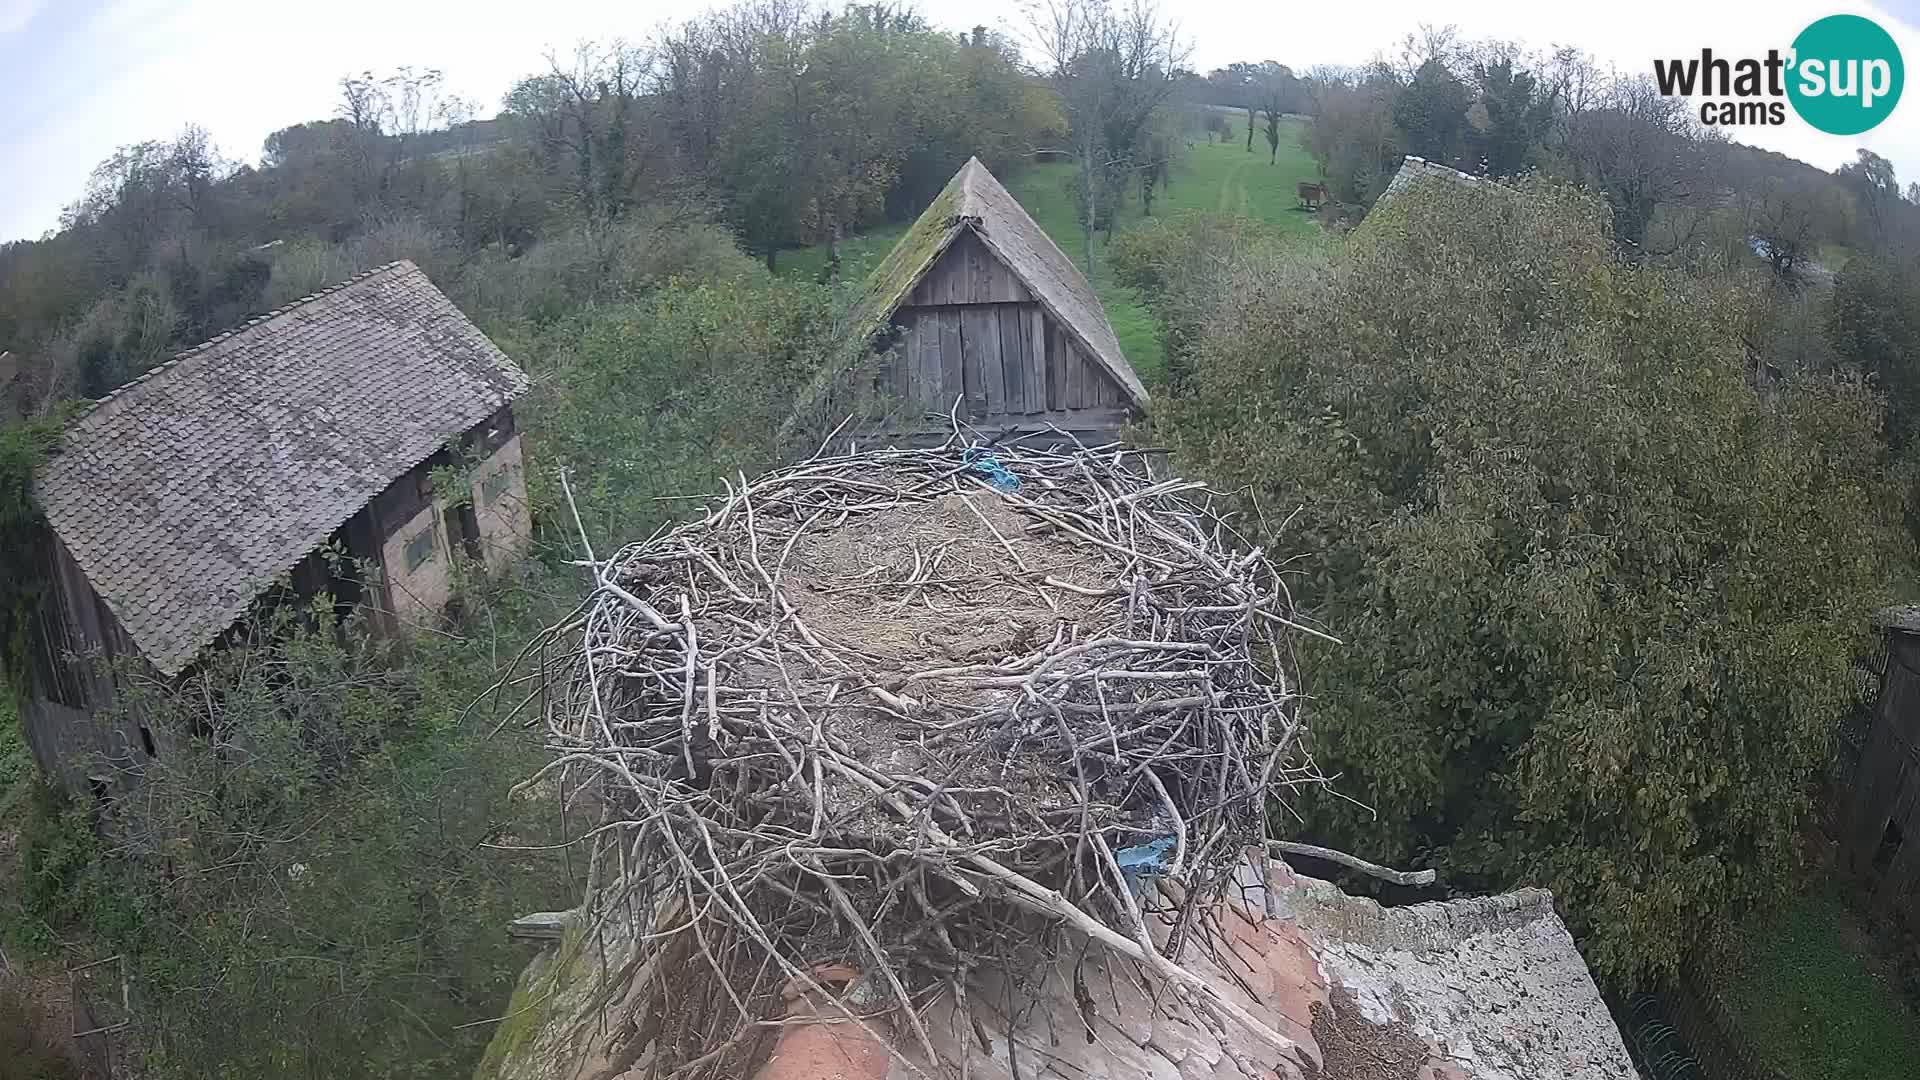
{"x": 973, "y": 199}
{"x": 183, "y": 494}
{"x": 1414, "y": 169}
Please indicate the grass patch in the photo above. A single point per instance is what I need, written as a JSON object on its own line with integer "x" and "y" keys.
{"x": 1219, "y": 177}
{"x": 1807, "y": 996}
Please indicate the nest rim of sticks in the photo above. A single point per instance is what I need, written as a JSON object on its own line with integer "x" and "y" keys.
{"x": 799, "y": 789}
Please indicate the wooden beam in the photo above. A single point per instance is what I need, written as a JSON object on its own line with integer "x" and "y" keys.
{"x": 1037, "y": 360}
{"x": 1013, "y": 357}
{"x": 980, "y": 343}
{"x": 950, "y": 381}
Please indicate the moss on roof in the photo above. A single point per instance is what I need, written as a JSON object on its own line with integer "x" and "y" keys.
{"x": 973, "y": 199}
{"x": 909, "y": 259}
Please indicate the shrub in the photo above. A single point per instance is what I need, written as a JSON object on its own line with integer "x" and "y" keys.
{"x": 306, "y": 880}
{"x": 1188, "y": 264}
{"x": 1600, "y": 596}
{"x": 606, "y": 264}
{"x": 670, "y": 395}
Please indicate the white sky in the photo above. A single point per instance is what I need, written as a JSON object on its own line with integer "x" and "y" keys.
{"x": 81, "y": 77}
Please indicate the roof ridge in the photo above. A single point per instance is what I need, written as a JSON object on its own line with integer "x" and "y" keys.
{"x": 240, "y": 328}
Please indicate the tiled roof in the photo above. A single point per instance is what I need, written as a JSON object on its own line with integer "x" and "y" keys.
{"x": 1485, "y": 988}
{"x": 975, "y": 200}
{"x": 1414, "y": 169}
{"x": 1488, "y": 988}
{"x": 183, "y": 494}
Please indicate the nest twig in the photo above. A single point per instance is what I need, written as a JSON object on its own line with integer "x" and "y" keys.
{"x": 915, "y": 712}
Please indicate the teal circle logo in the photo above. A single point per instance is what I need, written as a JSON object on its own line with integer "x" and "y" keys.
{"x": 1846, "y": 76}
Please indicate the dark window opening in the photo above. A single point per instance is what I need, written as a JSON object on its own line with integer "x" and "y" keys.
{"x": 420, "y": 549}
{"x": 463, "y": 530}
{"x": 146, "y": 741}
{"x": 1889, "y": 848}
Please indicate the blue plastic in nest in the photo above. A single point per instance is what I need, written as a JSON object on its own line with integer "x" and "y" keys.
{"x": 1146, "y": 860}
{"x": 987, "y": 464}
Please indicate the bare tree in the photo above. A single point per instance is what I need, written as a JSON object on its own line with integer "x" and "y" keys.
{"x": 581, "y": 118}
{"x": 386, "y": 116}
{"x": 1786, "y": 220}
{"x": 1274, "y": 90}
{"x": 1112, "y": 68}
{"x": 1640, "y": 149}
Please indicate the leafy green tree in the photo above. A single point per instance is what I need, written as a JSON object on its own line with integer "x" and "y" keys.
{"x": 1511, "y": 118}
{"x": 1600, "y": 597}
{"x": 1871, "y": 179}
{"x": 1875, "y": 326}
{"x": 718, "y": 365}
{"x": 1353, "y": 135}
{"x": 1432, "y": 110}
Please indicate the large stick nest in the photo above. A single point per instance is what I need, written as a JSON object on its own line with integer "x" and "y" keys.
{"x": 913, "y": 712}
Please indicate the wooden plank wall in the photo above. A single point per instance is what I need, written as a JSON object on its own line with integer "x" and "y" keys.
{"x": 1886, "y": 789}
{"x": 68, "y": 714}
{"x": 972, "y": 330}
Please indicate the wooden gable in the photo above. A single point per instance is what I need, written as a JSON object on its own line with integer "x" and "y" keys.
{"x": 971, "y": 329}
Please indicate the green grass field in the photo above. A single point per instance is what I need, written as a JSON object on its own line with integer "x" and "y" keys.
{"x": 1220, "y": 177}
{"x": 1807, "y": 996}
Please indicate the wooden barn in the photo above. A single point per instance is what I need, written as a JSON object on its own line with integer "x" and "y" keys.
{"x": 1879, "y": 834}
{"x": 371, "y": 420}
{"x": 980, "y": 307}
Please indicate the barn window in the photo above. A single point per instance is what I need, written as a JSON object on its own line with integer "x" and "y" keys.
{"x": 493, "y": 485}
{"x": 420, "y": 549}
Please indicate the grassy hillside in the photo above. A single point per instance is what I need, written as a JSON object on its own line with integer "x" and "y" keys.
{"x": 1220, "y": 177}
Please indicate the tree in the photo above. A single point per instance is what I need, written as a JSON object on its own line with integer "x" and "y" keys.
{"x": 1432, "y": 110}
{"x": 1353, "y": 135}
{"x": 1577, "y": 561}
{"x": 581, "y": 119}
{"x": 1875, "y": 326}
{"x": 1277, "y": 92}
{"x": 1112, "y": 70}
{"x": 1511, "y": 117}
{"x": 1787, "y": 220}
{"x": 1638, "y": 149}
{"x": 1871, "y": 179}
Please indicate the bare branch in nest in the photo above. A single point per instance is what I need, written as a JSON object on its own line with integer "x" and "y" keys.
{"x": 916, "y": 711}
{"x": 1353, "y": 862}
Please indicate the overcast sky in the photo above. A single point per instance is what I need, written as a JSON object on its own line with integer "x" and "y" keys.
{"x": 81, "y": 77}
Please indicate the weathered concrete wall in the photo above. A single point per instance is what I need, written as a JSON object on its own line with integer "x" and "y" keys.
{"x": 499, "y": 490}
{"x": 420, "y": 594}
